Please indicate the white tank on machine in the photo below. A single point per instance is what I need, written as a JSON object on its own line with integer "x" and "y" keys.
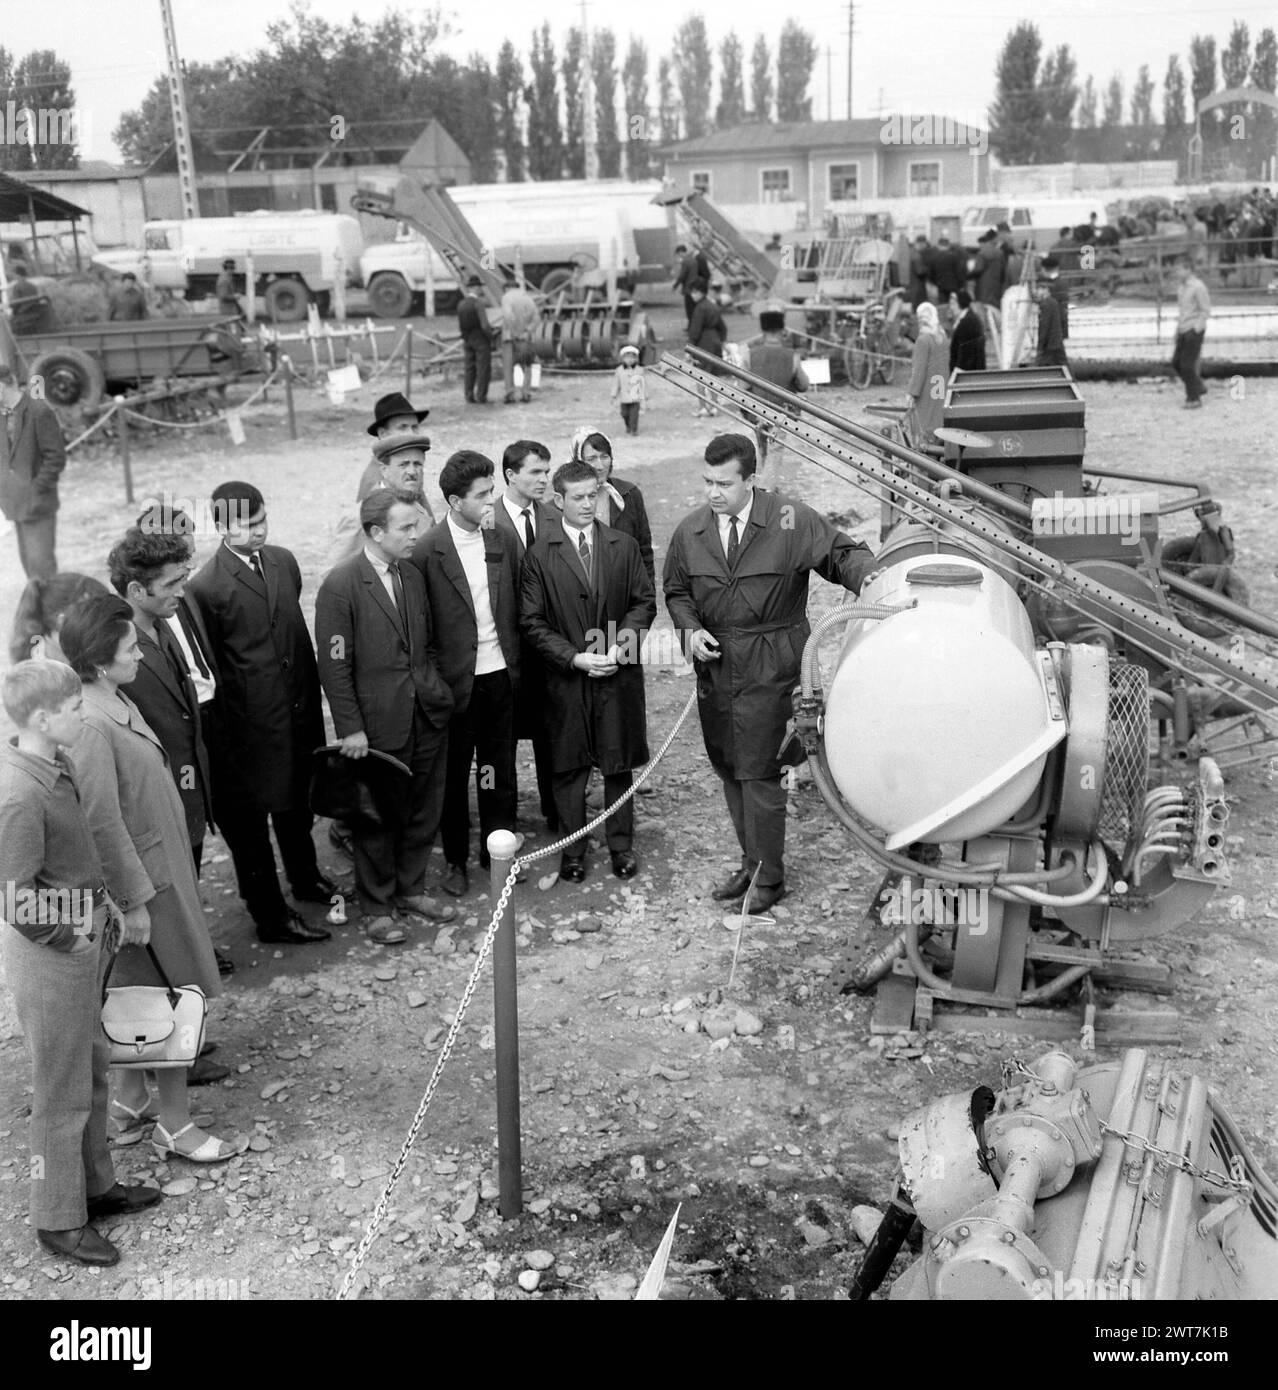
{"x": 939, "y": 720}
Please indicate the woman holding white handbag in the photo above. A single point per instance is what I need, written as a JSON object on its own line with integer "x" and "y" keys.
{"x": 136, "y": 816}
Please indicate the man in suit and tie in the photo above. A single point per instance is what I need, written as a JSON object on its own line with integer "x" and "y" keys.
{"x": 269, "y": 716}
{"x": 470, "y": 570}
{"x": 520, "y": 514}
{"x": 620, "y": 504}
{"x": 379, "y": 669}
{"x": 736, "y": 582}
{"x": 32, "y": 457}
{"x": 190, "y": 643}
{"x": 586, "y": 603}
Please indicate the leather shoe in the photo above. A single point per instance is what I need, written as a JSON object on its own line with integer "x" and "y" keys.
{"x": 572, "y": 870}
{"x": 764, "y": 895}
{"x": 321, "y": 891}
{"x": 292, "y": 930}
{"x": 84, "y": 1245}
{"x": 123, "y": 1200}
{"x": 456, "y": 881}
{"x": 422, "y": 905}
{"x": 384, "y": 931}
{"x": 225, "y": 965}
{"x": 205, "y": 1073}
{"x": 733, "y": 888}
{"x": 625, "y": 864}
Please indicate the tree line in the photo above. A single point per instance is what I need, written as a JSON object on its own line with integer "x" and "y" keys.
{"x": 38, "y": 83}
{"x": 1041, "y": 114}
{"x": 522, "y": 117}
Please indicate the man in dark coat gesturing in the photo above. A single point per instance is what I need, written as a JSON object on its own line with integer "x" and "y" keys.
{"x": 587, "y": 602}
{"x": 736, "y": 584}
{"x": 268, "y": 713}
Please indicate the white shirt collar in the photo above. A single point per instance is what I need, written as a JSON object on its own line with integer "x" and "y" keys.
{"x": 240, "y": 556}
{"x": 574, "y": 533}
{"x": 742, "y": 515}
{"x": 380, "y": 565}
{"x": 516, "y": 512}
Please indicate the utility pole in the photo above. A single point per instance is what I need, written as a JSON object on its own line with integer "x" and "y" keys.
{"x": 851, "y": 8}
{"x": 181, "y": 127}
{"x": 588, "y": 130}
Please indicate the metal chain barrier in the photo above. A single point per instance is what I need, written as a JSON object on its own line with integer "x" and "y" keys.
{"x": 1013, "y": 1066}
{"x": 96, "y": 425}
{"x": 382, "y": 1205}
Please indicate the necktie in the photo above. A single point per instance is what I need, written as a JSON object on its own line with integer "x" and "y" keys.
{"x": 397, "y": 583}
{"x": 256, "y": 561}
{"x": 528, "y": 528}
{"x": 168, "y": 645}
{"x": 192, "y": 641}
{"x": 583, "y": 552}
{"x": 734, "y": 541}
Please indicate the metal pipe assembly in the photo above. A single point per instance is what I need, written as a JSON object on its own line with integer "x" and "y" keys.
{"x": 1038, "y": 814}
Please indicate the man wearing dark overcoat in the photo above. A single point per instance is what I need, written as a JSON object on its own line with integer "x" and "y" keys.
{"x": 736, "y": 585}
{"x": 269, "y": 716}
{"x": 587, "y": 602}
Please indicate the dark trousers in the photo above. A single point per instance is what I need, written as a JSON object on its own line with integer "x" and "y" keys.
{"x": 757, "y": 808}
{"x": 479, "y": 367}
{"x": 247, "y": 832}
{"x": 545, "y": 778}
{"x": 390, "y": 859}
{"x": 630, "y": 416}
{"x": 35, "y": 546}
{"x": 689, "y": 304}
{"x": 485, "y": 736}
{"x": 530, "y": 723}
{"x": 570, "y": 802}
{"x": 1189, "y": 347}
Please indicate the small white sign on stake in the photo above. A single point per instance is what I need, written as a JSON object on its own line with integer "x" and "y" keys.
{"x": 341, "y": 380}
{"x": 236, "y": 426}
{"x": 817, "y": 370}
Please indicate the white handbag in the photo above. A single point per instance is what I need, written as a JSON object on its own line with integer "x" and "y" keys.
{"x": 153, "y": 1026}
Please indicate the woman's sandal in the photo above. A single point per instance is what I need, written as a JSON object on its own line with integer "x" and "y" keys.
{"x": 210, "y": 1151}
{"x": 128, "y": 1124}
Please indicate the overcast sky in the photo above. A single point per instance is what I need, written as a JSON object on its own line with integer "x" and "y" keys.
{"x": 923, "y": 55}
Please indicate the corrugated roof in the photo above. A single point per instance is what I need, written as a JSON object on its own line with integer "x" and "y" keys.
{"x": 18, "y": 200}
{"x": 89, "y": 170}
{"x": 797, "y": 135}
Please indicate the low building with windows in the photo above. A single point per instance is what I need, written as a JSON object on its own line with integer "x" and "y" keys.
{"x": 818, "y": 163}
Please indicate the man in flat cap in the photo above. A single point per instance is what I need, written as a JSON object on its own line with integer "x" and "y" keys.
{"x": 394, "y": 413}
{"x": 477, "y": 343}
{"x": 401, "y": 467}
{"x": 773, "y": 358}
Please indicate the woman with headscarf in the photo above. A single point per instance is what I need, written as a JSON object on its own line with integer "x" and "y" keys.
{"x": 620, "y": 504}
{"x": 929, "y": 372}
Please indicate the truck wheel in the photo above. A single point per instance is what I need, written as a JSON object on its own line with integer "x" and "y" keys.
{"x": 286, "y": 300}
{"x": 389, "y": 296}
{"x": 70, "y": 377}
{"x": 555, "y": 280}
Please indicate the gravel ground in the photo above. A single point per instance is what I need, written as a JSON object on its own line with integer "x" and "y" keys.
{"x": 770, "y": 1137}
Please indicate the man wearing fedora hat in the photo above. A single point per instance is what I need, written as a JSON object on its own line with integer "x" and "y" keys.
{"x": 477, "y": 343}
{"x": 393, "y": 414}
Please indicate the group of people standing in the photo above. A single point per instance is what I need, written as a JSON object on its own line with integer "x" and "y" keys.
{"x": 185, "y": 701}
